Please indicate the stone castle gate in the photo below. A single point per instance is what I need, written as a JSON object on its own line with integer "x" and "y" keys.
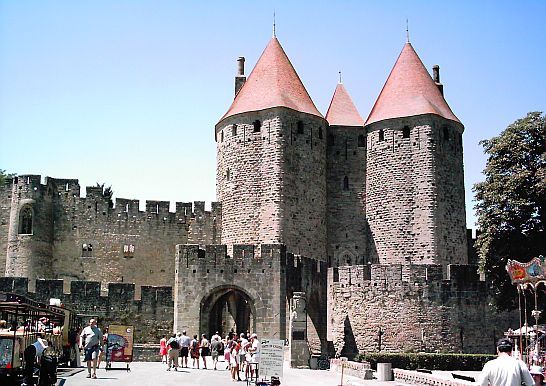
{"x": 227, "y": 308}
{"x": 216, "y": 292}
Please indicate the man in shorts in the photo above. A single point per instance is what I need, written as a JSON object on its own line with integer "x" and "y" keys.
{"x": 185, "y": 341}
{"x": 91, "y": 339}
{"x": 216, "y": 348}
{"x": 242, "y": 352}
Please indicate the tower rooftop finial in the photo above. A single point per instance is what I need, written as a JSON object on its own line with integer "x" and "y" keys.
{"x": 407, "y": 30}
{"x": 340, "y": 77}
{"x": 274, "y": 31}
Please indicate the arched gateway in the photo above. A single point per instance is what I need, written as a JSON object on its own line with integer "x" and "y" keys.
{"x": 227, "y": 308}
{"x": 243, "y": 292}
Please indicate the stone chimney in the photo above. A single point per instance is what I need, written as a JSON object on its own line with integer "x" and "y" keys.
{"x": 240, "y": 79}
{"x": 436, "y": 78}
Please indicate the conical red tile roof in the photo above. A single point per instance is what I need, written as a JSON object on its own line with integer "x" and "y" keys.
{"x": 409, "y": 91}
{"x": 342, "y": 111}
{"x": 272, "y": 83}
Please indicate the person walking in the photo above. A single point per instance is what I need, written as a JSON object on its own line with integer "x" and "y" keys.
{"x": 205, "y": 349}
{"x": 505, "y": 370}
{"x": 234, "y": 359}
{"x": 253, "y": 355}
{"x": 90, "y": 339}
{"x": 163, "y": 349}
{"x": 102, "y": 347}
{"x": 185, "y": 348}
{"x": 228, "y": 343}
{"x": 172, "y": 353}
{"x": 216, "y": 348}
{"x": 216, "y": 335}
{"x": 242, "y": 352}
{"x": 194, "y": 352}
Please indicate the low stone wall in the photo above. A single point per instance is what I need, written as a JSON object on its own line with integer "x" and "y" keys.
{"x": 416, "y": 378}
{"x": 356, "y": 369}
{"x": 146, "y": 353}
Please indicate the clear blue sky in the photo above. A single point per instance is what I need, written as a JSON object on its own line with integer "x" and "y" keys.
{"x": 128, "y": 92}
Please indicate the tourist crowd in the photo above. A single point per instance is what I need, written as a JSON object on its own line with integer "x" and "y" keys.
{"x": 241, "y": 355}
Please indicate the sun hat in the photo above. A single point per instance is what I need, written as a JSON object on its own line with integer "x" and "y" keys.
{"x": 536, "y": 370}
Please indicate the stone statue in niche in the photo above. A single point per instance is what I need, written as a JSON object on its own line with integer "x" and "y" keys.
{"x": 298, "y": 307}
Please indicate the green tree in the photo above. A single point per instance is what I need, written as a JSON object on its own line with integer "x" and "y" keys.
{"x": 511, "y": 203}
{"x": 5, "y": 177}
{"x": 107, "y": 192}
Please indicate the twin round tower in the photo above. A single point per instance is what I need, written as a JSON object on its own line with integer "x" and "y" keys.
{"x": 338, "y": 188}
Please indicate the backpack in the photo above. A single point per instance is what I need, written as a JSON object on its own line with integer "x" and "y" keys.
{"x": 174, "y": 344}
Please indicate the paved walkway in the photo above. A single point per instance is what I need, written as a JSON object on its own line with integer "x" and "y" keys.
{"x": 155, "y": 374}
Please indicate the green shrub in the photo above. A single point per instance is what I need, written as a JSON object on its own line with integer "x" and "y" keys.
{"x": 412, "y": 361}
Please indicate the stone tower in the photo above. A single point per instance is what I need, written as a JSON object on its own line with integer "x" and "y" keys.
{"x": 414, "y": 176}
{"x": 346, "y": 182}
{"x": 271, "y": 162}
{"x": 30, "y": 233}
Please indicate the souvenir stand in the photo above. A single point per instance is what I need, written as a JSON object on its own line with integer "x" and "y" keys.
{"x": 529, "y": 278}
{"x": 25, "y": 320}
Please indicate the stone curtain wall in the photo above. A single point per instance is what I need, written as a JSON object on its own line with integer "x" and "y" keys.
{"x": 5, "y": 208}
{"x": 415, "y": 193}
{"x": 64, "y": 221}
{"x": 202, "y": 272}
{"x": 415, "y": 308}
{"x": 309, "y": 276}
{"x": 272, "y": 183}
{"x": 151, "y": 315}
{"x": 347, "y": 225}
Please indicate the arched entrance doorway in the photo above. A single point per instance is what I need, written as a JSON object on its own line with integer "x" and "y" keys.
{"x": 227, "y": 309}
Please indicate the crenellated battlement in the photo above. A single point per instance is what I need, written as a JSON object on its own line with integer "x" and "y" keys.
{"x": 88, "y": 293}
{"x": 265, "y": 256}
{"x": 378, "y": 277}
{"x": 151, "y": 315}
{"x": 76, "y": 237}
{"x": 70, "y": 189}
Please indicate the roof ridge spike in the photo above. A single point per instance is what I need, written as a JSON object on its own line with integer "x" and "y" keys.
{"x": 409, "y": 91}
{"x": 272, "y": 83}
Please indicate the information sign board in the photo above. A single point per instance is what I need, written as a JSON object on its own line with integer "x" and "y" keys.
{"x": 271, "y": 358}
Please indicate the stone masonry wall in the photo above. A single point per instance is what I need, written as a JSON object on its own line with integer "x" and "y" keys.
{"x": 309, "y": 276}
{"x": 450, "y": 200}
{"x": 415, "y": 213}
{"x": 151, "y": 314}
{"x": 261, "y": 277}
{"x": 5, "y": 208}
{"x": 29, "y": 254}
{"x": 415, "y": 308}
{"x": 127, "y": 245}
{"x": 347, "y": 225}
{"x": 272, "y": 182}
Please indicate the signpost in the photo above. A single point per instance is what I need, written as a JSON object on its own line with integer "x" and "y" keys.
{"x": 271, "y": 358}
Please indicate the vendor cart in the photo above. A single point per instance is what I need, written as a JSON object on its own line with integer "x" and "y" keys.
{"x": 26, "y": 320}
